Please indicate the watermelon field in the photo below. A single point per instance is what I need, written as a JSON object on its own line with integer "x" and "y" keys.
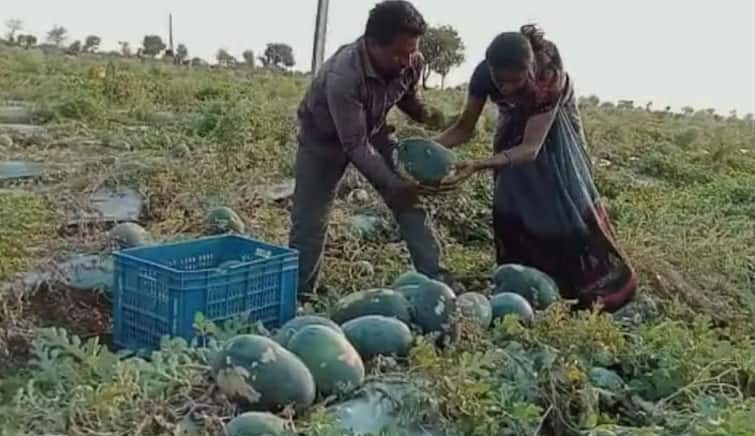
{"x": 85, "y": 141}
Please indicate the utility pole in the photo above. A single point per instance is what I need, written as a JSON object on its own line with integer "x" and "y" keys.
{"x": 170, "y": 33}
{"x": 321, "y": 29}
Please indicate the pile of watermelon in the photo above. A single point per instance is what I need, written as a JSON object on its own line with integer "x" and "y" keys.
{"x": 314, "y": 356}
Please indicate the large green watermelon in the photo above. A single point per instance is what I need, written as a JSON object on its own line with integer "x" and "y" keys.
{"x": 433, "y": 304}
{"x": 294, "y": 325}
{"x": 257, "y": 424}
{"x": 409, "y": 278}
{"x": 536, "y": 287}
{"x": 606, "y": 379}
{"x": 425, "y": 161}
{"x": 508, "y": 303}
{"x": 332, "y": 360}
{"x": 375, "y": 335}
{"x": 261, "y": 375}
{"x": 224, "y": 220}
{"x": 476, "y": 307}
{"x": 386, "y": 302}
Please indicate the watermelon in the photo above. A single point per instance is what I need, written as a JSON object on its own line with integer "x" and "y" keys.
{"x": 535, "y": 286}
{"x": 476, "y": 307}
{"x": 606, "y": 379}
{"x": 425, "y": 161}
{"x": 410, "y": 278}
{"x": 509, "y": 303}
{"x": 257, "y": 424}
{"x": 224, "y": 220}
{"x": 384, "y": 302}
{"x": 181, "y": 151}
{"x": 374, "y": 335}
{"x": 127, "y": 235}
{"x": 261, "y": 375}
{"x": 433, "y": 304}
{"x": 409, "y": 292}
{"x": 294, "y": 325}
{"x": 335, "y": 364}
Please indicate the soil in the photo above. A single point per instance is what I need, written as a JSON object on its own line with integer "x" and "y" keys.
{"x": 81, "y": 313}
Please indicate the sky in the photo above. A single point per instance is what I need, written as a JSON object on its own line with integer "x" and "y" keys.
{"x": 670, "y": 52}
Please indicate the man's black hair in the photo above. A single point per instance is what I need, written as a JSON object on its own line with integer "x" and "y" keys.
{"x": 391, "y": 18}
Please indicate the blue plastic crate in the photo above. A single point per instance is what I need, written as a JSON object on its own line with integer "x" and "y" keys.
{"x": 159, "y": 289}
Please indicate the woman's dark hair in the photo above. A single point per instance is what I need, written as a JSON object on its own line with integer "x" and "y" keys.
{"x": 391, "y": 18}
{"x": 515, "y": 50}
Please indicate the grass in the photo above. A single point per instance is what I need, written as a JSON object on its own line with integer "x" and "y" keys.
{"x": 26, "y": 219}
{"x": 680, "y": 190}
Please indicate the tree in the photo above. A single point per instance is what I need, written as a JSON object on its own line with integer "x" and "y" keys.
{"x": 625, "y": 104}
{"x": 57, "y": 35}
{"x": 152, "y": 45}
{"x": 198, "y": 62}
{"x": 92, "y": 43}
{"x": 26, "y": 41}
{"x": 248, "y": 56}
{"x": 688, "y": 110}
{"x": 13, "y": 25}
{"x": 591, "y": 101}
{"x": 74, "y": 48}
{"x": 443, "y": 49}
{"x": 749, "y": 117}
{"x": 182, "y": 53}
{"x": 224, "y": 58}
{"x": 278, "y": 54}
{"x": 125, "y": 48}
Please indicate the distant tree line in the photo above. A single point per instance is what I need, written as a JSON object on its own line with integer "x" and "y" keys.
{"x": 593, "y": 101}
{"x": 442, "y": 48}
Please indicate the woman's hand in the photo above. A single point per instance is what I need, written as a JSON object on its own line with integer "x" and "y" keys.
{"x": 463, "y": 170}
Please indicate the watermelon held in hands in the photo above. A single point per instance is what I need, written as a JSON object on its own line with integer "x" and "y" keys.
{"x": 260, "y": 375}
{"x": 539, "y": 289}
{"x": 475, "y": 307}
{"x": 294, "y": 325}
{"x": 386, "y": 302}
{"x": 425, "y": 161}
{"x": 376, "y": 335}
{"x": 224, "y": 220}
{"x": 334, "y": 363}
{"x": 509, "y": 303}
{"x": 257, "y": 424}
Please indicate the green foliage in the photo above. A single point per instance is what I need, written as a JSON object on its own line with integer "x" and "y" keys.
{"x": 225, "y": 59}
{"x": 679, "y": 189}
{"x": 279, "y": 55}
{"x": 92, "y": 43}
{"x": 57, "y": 35}
{"x": 26, "y": 220}
{"x": 182, "y": 53}
{"x": 152, "y": 45}
{"x": 443, "y": 49}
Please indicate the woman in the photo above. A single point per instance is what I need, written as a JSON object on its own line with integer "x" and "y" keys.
{"x": 547, "y": 211}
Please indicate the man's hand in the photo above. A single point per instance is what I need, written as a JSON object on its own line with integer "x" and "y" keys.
{"x": 402, "y": 195}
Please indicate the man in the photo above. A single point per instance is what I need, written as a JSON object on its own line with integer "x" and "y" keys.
{"x": 342, "y": 120}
